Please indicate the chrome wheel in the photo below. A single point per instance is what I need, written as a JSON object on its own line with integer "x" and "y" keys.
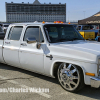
{"x": 68, "y": 76}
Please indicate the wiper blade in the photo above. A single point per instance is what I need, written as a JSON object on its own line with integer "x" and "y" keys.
{"x": 63, "y": 40}
{"x": 75, "y": 39}
{"x": 70, "y": 39}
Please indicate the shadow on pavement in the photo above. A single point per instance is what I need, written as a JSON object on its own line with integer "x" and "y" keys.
{"x": 86, "y": 91}
{"x": 7, "y": 67}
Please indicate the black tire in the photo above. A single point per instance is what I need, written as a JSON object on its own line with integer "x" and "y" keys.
{"x": 80, "y": 84}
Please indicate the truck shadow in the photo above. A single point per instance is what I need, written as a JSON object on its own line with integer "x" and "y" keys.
{"x": 32, "y": 74}
{"x": 90, "y": 92}
{"x": 86, "y": 91}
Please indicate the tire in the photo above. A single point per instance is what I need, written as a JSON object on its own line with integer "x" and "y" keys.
{"x": 70, "y": 77}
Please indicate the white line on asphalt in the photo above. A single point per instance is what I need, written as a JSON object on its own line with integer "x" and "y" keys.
{"x": 64, "y": 93}
{"x": 73, "y": 99}
{"x": 24, "y": 86}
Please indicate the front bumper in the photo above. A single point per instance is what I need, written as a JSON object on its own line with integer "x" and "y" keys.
{"x": 95, "y": 82}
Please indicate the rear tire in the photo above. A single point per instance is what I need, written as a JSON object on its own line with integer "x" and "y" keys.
{"x": 70, "y": 77}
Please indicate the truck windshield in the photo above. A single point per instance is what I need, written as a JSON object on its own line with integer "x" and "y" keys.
{"x": 61, "y": 33}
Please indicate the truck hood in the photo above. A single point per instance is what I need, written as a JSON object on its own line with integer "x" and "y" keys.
{"x": 79, "y": 49}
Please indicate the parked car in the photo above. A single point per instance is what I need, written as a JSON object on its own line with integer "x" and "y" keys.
{"x": 2, "y": 34}
{"x": 87, "y": 31}
{"x": 55, "y": 50}
{"x": 5, "y": 26}
{"x": 0, "y": 24}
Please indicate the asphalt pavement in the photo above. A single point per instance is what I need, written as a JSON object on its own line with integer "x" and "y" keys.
{"x": 18, "y": 78}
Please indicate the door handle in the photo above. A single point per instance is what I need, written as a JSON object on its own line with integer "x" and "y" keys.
{"x": 7, "y": 42}
{"x": 23, "y": 44}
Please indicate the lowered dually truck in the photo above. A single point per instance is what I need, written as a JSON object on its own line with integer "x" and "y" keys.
{"x": 55, "y": 50}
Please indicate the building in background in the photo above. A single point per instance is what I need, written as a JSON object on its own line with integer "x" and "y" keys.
{"x": 22, "y": 12}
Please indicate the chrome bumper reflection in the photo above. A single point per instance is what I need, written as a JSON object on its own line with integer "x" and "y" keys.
{"x": 95, "y": 82}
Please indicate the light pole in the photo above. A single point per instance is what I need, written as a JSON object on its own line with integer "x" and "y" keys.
{"x": 84, "y": 14}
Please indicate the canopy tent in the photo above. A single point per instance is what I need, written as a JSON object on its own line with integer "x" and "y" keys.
{"x": 94, "y": 20}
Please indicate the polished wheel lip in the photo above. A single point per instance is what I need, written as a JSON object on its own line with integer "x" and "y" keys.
{"x": 66, "y": 77}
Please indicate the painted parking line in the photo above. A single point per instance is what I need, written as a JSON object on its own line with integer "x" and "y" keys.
{"x": 24, "y": 86}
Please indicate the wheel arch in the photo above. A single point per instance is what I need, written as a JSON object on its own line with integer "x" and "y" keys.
{"x": 56, "y": 64}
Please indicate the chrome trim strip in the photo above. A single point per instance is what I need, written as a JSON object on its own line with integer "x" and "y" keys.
{"x": 11, "y": 48}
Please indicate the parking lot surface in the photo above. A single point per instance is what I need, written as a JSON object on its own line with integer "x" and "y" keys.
{"x": 18, "y": 78}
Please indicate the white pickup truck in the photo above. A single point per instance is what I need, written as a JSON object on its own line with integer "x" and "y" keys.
{"x": 55, "y": 50}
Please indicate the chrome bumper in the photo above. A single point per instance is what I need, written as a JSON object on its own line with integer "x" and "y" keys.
{"x": 95, "y": 82}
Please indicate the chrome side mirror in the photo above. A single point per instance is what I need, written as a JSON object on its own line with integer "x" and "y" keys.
{"x": 31, "y": 40}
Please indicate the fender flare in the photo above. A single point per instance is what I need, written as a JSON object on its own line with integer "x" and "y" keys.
{"x": 72, "y": 62}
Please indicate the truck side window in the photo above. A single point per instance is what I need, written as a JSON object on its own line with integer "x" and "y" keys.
{"x": 15, "y": 33}
{"x": 33, "y": 31}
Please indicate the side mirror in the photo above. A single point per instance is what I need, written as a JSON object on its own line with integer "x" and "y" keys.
{"x": 38, "y": 45}
{"x": 31, "y": 40}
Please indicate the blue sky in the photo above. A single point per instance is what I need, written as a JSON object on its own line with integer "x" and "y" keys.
{"x": 76, "y": 9}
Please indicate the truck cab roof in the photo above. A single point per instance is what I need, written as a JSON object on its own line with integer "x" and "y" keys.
{"x": 38, "y": 23}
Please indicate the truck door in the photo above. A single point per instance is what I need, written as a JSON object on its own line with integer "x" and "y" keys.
{"x": 32, "y": 58}
{"x": 12, "y": 45}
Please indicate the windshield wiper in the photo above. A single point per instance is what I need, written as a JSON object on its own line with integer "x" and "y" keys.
{"x": 61, "y": 40}
{"x": 75, "y": 39}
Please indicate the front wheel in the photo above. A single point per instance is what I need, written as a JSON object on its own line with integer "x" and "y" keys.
{"x": 70, "y": 77}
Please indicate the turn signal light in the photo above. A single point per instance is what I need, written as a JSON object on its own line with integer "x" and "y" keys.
{"x": 58, "y": 22}
{"x": 43, "y": 22}
{"x": 69, "y": 23}
{"x": 54, "y": 21}
{"x": 90, "y": 74}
